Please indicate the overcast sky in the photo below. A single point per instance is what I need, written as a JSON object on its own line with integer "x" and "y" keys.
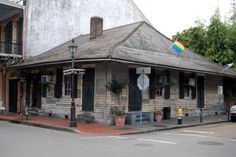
{"x": 172, "y": 16}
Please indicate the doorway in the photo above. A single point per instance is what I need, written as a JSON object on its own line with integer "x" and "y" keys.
{"x": 88, "y": 90}
{"x": 13, "y": 95}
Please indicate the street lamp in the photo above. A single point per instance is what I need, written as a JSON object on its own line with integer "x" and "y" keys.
{"x": 73, "y": 48}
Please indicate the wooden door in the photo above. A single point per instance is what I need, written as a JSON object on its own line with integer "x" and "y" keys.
{"x": 88, "y": 90}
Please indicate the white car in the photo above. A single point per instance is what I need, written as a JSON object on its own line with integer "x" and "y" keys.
{"x": 233, "y": 113}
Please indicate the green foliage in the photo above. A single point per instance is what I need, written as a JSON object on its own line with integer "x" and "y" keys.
{"x": 217, "y": 41}
{"x": 118, "y": 110}
{"x": 116, "y": 87}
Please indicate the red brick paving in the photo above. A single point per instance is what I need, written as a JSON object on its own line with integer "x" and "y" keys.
{"x": 84, "y": 128}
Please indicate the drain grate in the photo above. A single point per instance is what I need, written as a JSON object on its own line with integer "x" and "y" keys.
{"x": 212, "y": 143}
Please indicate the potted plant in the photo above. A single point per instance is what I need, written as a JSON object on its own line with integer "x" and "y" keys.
{"x": 118, "y": 111}
{"x": 158, "y": 115}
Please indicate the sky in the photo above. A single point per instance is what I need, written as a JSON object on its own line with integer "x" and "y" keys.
{"x": 172, "y": 16}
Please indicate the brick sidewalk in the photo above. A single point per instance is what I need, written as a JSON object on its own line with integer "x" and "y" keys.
{"x": 101, "y": 129}
{"x": 62, "y": 124}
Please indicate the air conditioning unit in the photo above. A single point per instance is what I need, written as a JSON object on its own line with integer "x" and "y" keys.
{"x": 47, "y": 78}
{"x": 191, "y": 82}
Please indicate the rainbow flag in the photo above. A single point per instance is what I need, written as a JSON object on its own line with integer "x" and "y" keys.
{"x": 227, "y": 66}
{"x": 178, "y": 46}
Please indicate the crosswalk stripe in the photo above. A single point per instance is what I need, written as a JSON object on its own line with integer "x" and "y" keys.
{"x": 181, "y": 134}
{"x": 117, "y": 137}
{"x": 198, "y": 132}
{"x": 156, "y": 141}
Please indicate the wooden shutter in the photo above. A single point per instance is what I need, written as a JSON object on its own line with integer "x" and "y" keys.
{"x": 58, "y": 85}
{"x": 152, "y": 84}
{"x": 194, "y": 87}
{"x": 181, "y": 85}
{"x": 75, "y": 85}
{"x": 167, "y": 87}
{"x": 44, "y": 90}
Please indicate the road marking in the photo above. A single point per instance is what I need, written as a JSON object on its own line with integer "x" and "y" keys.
{"x": 93, "y": 137}
{"x": 180, "y": 134}
{"x": 233, "y": 140}
{"x": 117, "y": 137}
{"x": 156, "y": 141}
{"x": 198, "y": 132}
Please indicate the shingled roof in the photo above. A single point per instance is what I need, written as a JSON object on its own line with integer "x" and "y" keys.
{"x": 137, "y": 43}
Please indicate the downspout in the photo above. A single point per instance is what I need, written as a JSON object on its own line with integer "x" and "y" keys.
{"x": 4, "y": 85}
{"x": 24, "y": 29}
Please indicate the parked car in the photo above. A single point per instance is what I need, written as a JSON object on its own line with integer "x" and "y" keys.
{"x": 233, "y": 113}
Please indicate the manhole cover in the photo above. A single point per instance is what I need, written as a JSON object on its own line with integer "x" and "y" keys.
{"x": 143, "y": 145}
{"x": 213, "y": 143}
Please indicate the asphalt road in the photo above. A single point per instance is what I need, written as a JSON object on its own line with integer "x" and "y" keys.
{"x": 217, "y": 140}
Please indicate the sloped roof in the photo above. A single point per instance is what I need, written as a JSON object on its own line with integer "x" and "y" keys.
{"x": 137, "y": 43}
{"x": 8, "y": 9}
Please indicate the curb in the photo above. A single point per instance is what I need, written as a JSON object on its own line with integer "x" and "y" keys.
{"x": 72, "y": 130}
{"x": 174, "y": 127}
{"x": 53, "y": 127}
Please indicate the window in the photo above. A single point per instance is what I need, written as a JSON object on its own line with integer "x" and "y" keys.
{"x": 158, "y": 84}
{"x": 187, "y": 88}
{"x": 67, "y": 84}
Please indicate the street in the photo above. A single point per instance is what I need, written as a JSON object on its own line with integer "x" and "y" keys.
{"x": 218, "y": 140}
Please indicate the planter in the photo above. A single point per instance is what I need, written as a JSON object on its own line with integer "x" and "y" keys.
{"x": 120, "y": 121}
{"x": 158, "y": 116}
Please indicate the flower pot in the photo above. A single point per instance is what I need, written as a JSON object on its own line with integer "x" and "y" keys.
{"x": 120, "y": 121}
{"x": 158, "y": 116}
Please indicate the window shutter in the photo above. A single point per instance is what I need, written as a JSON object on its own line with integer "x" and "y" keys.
{"x": 181, "y": 85}
{"x": 152, "y": 84}
{"x": 58, "y": 85}
{"x": 75, "y": 85}
{"x": 167, "y": 87}
{"x": 44, "y": 91}
{"x": 193, "y": 87}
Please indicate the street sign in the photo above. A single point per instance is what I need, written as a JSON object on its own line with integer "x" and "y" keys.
{"x": 143, "y": 70}
{"x": 220, "y": 90}
{"x": 143, "y": 82}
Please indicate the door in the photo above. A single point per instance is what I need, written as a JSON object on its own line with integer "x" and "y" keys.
{"x": 135, "y": 97}
{"x": 200, "y": 91}
{"x": 13, "y": 96}
{"x": 36, "y": 92}
{"x": 88, "y": 90}
{"x": 8, "y": 38}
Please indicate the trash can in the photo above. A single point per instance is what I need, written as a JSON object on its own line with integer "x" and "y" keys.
{"x": 166, "y": 113}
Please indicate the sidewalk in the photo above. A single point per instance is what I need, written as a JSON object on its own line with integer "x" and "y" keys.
{"x": 100, "y": 129}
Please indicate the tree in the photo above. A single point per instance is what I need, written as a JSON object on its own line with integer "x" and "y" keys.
{"x": 194, "y": 38}
{"x": 218, "y": 49}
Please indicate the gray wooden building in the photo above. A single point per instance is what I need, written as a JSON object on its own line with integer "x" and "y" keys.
{"x": 192, "y": 80}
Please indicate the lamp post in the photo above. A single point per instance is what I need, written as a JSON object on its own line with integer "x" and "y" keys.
{"x": 73, "y": 48}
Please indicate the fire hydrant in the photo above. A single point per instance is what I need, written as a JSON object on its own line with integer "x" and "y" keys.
{"x": 179, "y": 115}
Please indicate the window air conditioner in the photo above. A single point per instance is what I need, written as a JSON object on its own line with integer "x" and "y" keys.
{"x": 47, "y": 79}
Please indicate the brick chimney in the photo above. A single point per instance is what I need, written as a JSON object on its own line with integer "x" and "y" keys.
{"x": 96, "y": 27}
